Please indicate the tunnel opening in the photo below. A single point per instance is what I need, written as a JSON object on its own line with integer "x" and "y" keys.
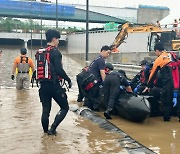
{"x": 6, "y": 41}
{"x": 62, "y": 43}
{"x": 36, "y": 42}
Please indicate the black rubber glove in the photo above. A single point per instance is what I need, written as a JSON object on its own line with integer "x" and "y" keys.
{"x": 12, "y": 77}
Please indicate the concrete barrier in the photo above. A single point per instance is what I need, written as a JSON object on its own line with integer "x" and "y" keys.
{"x": 132, "y": 58}
{"x": 131, "y": 70}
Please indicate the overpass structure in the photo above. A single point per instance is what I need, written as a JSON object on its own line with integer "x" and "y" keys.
{"x": 142, "y": 14}
{"x": 47, "y": 11}
{"x": 77, "y": 12}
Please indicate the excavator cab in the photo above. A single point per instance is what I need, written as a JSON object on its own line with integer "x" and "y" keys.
{"x": 168, "y": 38}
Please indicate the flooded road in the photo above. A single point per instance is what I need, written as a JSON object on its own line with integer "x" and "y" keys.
{"x": 20, "y": 113}
{"x": 21, "y": 132}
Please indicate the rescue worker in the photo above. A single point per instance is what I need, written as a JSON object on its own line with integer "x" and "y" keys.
{"x": 79, "y": 77}
{"x": 139, "y": 82}
{"x": 81, "y": 95}
{"x": 97, "y": 68}
{"x": 22, "y": 64}
{"x": 51, "y": 88}
{"x": 178, "y": 106}
{"x": 158, "y": 24}
{"x": 175, "y": 25}
{"x": 108, "y": 68}
{"x": 111, "y": 86}
{"x": 161, "y": 64}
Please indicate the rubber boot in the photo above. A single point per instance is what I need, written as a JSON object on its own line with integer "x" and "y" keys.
{"x": 52, "y": 130}
{"x": 167, "y": 113}
{"x": 46, "y": 131}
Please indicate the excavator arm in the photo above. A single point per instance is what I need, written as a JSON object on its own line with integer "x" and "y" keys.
{"x": 121, "y": 36}
{"x": 129, "y": 28}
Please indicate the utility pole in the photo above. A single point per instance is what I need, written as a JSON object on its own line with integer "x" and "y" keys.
{"x": 31, "y": 29}
{"x": 56, "y": 13}
{"x": 87, "y": 29}
{"x": 41, "y": 24}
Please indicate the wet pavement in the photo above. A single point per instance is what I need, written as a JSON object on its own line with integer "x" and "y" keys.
{"x": 159, "y": 136}
{"x": 20, "y": 127}
{"x": 21, "y": 132}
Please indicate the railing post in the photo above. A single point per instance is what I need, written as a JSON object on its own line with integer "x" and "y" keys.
{"x": 25, "y": 43}
{"x": 56, "y": 13}
{"x": 87, "y": 29}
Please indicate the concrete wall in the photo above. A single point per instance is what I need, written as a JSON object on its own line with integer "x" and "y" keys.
{"x": 136, "y": 42}
{"x": 150, "y": 15}
{"x": 26, "y": 36}
{"x": 23, "y": 36}
{"x": 133, "y": 58}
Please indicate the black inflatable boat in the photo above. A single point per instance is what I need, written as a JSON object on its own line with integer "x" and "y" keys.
{"x": 132, "y": 107}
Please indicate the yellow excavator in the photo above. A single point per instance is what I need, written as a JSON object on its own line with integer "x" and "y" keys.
{"x": 157, "y": 34}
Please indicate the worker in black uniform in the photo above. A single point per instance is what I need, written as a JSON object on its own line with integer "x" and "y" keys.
{"x": 178, "y": 106}
{"x": 111, "y": 86}
{"x": 97, "y": 68}
{"x": 51, "y": 88}
{"x": 79, "y": 79}
{"x": 108, "y": 67}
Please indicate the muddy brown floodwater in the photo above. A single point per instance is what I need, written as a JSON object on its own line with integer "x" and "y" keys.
{"x": 21, "y": 132}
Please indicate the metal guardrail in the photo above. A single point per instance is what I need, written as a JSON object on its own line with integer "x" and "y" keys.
{"x": 164, "y": 27}
{"x": 131, "y": 70}
{"x": 97, "y": 31}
